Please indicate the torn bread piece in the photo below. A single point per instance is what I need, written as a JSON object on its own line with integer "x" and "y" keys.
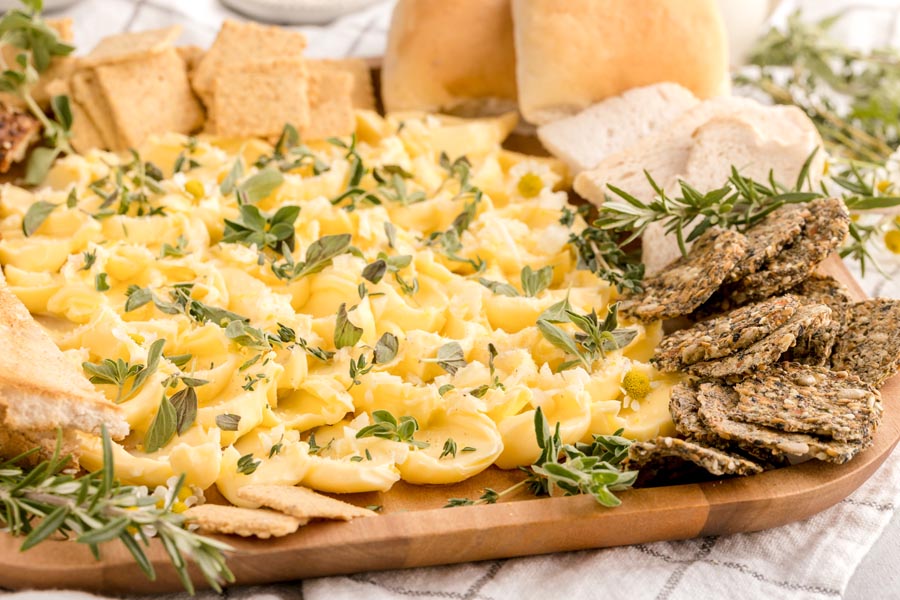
{"x": 84, "y": 135}
{"x": 131, "y": 45}
{"x": 245, "y": 522}
{"x": 869, "y": 343}
{"x": 331, "y": 111}
{"x": 805, "y": 399}
{"x": 40, "y": 388}
{"x": 768, "y": 349}
{"x": 240, "y": 42}
{"x": 302, "y": 503}
{"x": 713, "y": 460}
{"x": 257, "y": 99}
{"x": 87, "y": 93}
{"x": 690, "y": 281}
{"x": 362, "y": 92}
{"x": 18, "y": 130}
{"x": 722, "y": 336}
{"x": 718, "y": 402}
{"x": 583, "y": 140}
{"x": 150, "y": 96}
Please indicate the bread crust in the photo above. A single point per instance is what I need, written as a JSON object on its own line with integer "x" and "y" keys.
{"x": 450, "y": 55}
{"x": 572, "y": 54}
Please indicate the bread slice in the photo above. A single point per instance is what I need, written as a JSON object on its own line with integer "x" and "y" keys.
{"x": 700, "y": 148}
{"x": 40, "y": 390}
{"x": 585, "y": 139}
{"x": 572, "y": 54}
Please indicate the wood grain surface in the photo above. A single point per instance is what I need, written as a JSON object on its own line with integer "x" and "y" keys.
{"x": 415, "y": 531}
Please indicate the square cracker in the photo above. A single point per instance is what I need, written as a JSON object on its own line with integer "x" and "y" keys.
{"x": 302, "y": 503}
{"x": 238, "y": 43}
{"x": 362, "y": 95}
{"x": 85, "y": 135}
{"x": 150, "y": 96}
{"x": 87, "y": 94}
{"x": 330, "y": 106}
{"x": 259, "y": 98}
{"x": 246, "y": 522}
{"x": 129, "y": 46}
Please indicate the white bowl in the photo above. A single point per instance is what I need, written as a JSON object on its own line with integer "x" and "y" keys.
{"x": 295, "y": 12}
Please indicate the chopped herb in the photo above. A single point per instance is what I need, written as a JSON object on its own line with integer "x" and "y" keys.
{"x": 595, "y": 339}
{"x": 255, "y": 228}
{"x": 90, "y": 257}
{"x": 185, "y": 404}
{"x": 118, "y": 372}
{"x": 449, "y": 449}
{"x": 385, "y": 349}
{"x": 346, "y": 334}
{"x": 259, "y": 186}
{"x": 535, "y": 282}
{"x": 276, "y": 448}
{"x": 35, "y": 216}
{"x": 450, "y": 357}
{"x": 247, "y": 465}
{"x": 319, "y": 255}
{"x": 386, "y": 427}
{"x": 163, "y": 427}
{"x": 228, "y": 422}
{"x": 469, "y": 449}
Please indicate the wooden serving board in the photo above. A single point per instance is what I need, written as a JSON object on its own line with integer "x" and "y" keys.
{"x": 415, "y": 531}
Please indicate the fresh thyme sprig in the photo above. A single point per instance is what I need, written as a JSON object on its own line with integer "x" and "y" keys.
{"x": 39, "y": 44}
{"x": 118, "y": 372}
{"x": 594, "y": 339}
{"x": 48, "y": 500}
{"x": 569, "y": 469}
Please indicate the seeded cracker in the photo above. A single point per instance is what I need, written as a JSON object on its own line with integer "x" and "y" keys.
{"x": 715, "y": 461}
{"x": 722, "y": 336}
{"x": 302, "y": 503}
{"x": 824, "y": 289}
{"x": 824, "y": 232}
{"x": 814, "y": 347}
{"x": 769, "y": 349}
{"x": 869, "y": 345}
{"x": 804, "y": 399}
{"x": 718, "y": 401}
{"x": 768, "y": 237}
{"x": 245, "y": 522}
{"x": 690, "y": 281}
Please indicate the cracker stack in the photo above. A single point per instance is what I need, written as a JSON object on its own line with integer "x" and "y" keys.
{"x": 128, "y": 87}
{"x": 782, "y": 363}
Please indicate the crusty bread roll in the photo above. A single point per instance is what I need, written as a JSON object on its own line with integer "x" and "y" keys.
{"x": 610, "y": 126}
{"x": 450, "y": 56}
{"x": 572, "y": 54}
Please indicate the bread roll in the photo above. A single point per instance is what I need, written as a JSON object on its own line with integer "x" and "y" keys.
{"x": 450, "y": 56}
{"x": 572, "y": 54}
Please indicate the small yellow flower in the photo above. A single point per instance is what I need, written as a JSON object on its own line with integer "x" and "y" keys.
{"x": 854, "y": 217}
{"x": 636, "y": 384}
{"x": 195, "y": 189}
{"x": 826, "y": 167}
{"x": 883, "y": 185}
{"x": 530, "y": 185}
{"x": 892, "y": 241}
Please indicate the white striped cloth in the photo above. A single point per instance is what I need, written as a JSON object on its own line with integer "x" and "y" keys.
{"x": 812, "y": 559}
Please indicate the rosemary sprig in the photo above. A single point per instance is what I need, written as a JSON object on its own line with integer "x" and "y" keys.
{"x": 569, "y": 469}
{"x": 741, "y": 203}
{"x": 48, "y": 500}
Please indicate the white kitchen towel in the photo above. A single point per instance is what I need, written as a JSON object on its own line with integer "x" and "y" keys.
{"x": 812, "y": 559}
